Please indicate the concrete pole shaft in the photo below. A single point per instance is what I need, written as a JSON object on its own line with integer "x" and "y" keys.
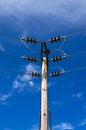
{"x": 44, "y": 96}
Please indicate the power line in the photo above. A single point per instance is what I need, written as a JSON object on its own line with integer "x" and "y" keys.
{"x": 20, "y": 39}
{"x": 9, "y": 55}
{"x": 28, "y": 47}
{"x": 58, "y": 73}
{"x": 32, "y": 59}
{"x": 57, "y": 58}
{"x": 77, "y": 53}
{"x": 76, "y": 33}
{"x": 31, "y": 73}
{"x": 61, "y": 70}
{"x": 59, "y": 48}
{"x": 36, "y": 41}
{"x": 52, "y": 59}
{"x": 58, "y": 38}
{"x": 76, "y": 69}
{"x": 10, "y": 36}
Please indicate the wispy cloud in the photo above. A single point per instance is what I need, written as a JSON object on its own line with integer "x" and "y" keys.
{"x": 7, "y": 129}
{"x": 84, "y": 106}
{"x": 58, "y": 103}
{"x": 72, "y": 11}
{"x": 22, "y": 83}
{"x": 78, "y": 96}
{"x": 25, "y": 81}
{"x": 2, "y": 48}
{"x": 82, "y": 123}
{"x": 34, "y": 127}
{"x": 4, "y": 97}
{"x": 63, "y": 126}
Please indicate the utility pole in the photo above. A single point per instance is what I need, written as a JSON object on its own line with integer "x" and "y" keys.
{"x": 44, "y": 96}
{"x": 45, "y": 113}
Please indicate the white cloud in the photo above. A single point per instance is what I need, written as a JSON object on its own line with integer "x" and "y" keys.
{"x": 31, "y": 83}
{"x": 63, "y": 126}
{"x": 78, "y": 96}
{"x": 34, "y": 127}
{"x": 2, "y": 48}
{"x": 82, "y": 123}
{"x": 73, "y": 11}
{"x": 59, "y": 103}
{"x": 25, "y": 82}
{"x": 22, "y": 83}
{"x": 4, "y": 97}
{"x": 7, "y": 129}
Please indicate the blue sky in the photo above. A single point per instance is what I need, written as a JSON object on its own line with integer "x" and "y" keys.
{"x": 20, "y": 93}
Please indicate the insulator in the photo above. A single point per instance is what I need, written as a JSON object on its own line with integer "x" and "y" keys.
{"x": 59, "y": 38}
{"x": 58, "y": 73}
{"x": 24, "y": 38}
{"x": 57, "y": 58}
{"x": 24, "y": 57}
{"x": 34, "y": 40}
{"x": 55, "y": 39}
{"x": 55, "y": 74}
{"x": 35, "y": 74}
{"x": 51, "y": 40}
{"x": 29, "y": 58}
{"x": 27, "y": 39}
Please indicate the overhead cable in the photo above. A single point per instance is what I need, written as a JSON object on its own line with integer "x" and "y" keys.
{"x": 76, "y": 69}
{"x": 76, "y": 33}
{"x": 11, "y": 36}
{"x": 58, "y": 73}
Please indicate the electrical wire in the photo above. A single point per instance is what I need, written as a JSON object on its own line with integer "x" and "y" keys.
{"x": 76, "y": 33}
{"x": 6, "y": 35}
{"x": 64, "y": 54}
{"x": 9, "y": 70}
{"x": 78, "y": 53}
{"x": 59, "y": 48}
{"x": 29, "y": 73}
{"x": 76, "y": 69}
{"x": 57, "y": 73}
{"x": 9, "y": 55}
{"x": 61, "y": 69}
{"x": 62, "y": 44}
{"x": 29, "y": 47}
{"x": 11, "y": 36}
{"x": 20, "y": 57}
{"x": 74, "y": 54}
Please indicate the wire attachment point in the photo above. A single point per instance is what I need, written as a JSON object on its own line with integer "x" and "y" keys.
{"x": 57, "y": 58}
{"x": 58, "y": 38}
{"x": 54, "y": 74}
{"x": 34, "y": 74}
{"x": 31, "y": 40}
{"x": 29, "y": 58}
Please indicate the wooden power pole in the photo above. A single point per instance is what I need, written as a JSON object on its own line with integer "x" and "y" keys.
{"x": 44, "y": 96}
